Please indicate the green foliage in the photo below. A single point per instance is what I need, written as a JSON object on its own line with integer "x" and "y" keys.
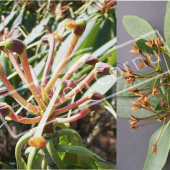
{"x": 157, "y": 161}
{"x": 138, "y": 27}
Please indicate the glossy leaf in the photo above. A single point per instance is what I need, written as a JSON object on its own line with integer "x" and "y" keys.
{"x": 157, "y": 161}
{"x": 138, "y": 27}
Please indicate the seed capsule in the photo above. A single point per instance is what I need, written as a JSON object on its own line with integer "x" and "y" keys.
{"x": 38, "y": 142}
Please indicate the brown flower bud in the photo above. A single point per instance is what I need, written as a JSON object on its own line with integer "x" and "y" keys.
{"x": 45, "y": 40}
{"x": 5, "y": 109}
{"x": 96, "y": 96}
{"x": 16, "y": 45}
{"x": 154, "y": 149}
{"x": 81, "y": 26}
{"x": 91, "y": 60}
{"x": 104, "y": 69}
{"x": 3, "y": 91}
{"x": 94, "y": 105}
{"x": 38, "y": 142}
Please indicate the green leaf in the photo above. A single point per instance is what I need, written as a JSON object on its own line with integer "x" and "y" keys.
{"x": 18, "y": 20}
{"x": 138, "y": 27}
{"x": 166, "y": 28}
{"x": 157, "y": 161}
{"x": 8, "y": 20}
{"x": 40, "y": 162}
{"x": 102, "y": 85}
{"x": 102, "y": 50}
{"x": 37, "y": 31}
{"x": 112, "y": 59}
{"x": 123, "y": 88}
{"x": 104, "y": 34}
{"x": 167, "y": 6}
{"x": 84, "y": 151}
{"x": 124, "y": 106}
{"x": 143, "y": 47}
{"x": 5, "y": 166}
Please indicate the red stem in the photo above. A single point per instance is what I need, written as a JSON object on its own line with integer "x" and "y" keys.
{"x": 25, "y": 120}
{"x": 79, "y": 87}
{"x": 27, "y": 71}
{"x": 76, "y": 117}
{"x": 16, "y": 66}
{"x": 71, "y": 106}
{"x": 49, "y": 60}
{"x": 35, "y": 79}
{"x": 61, "y": 65}
{"x": 16, "y": 95}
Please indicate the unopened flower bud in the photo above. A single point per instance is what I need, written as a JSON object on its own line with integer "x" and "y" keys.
{"x": 96, "y": 96}
{"x": 70, "y": 24}
{"x": 91, "y": 60}
{"x": 5, "y": 109}
{"x": 3, "y": 91}
{"x": 38, "y": 142}
{"x": 81, "y": 26}
{"x": 104, "y": 69}
{"x": 94, "y": 105}
{"x": 15, "y": 45}
{"x": 44, "y": 39}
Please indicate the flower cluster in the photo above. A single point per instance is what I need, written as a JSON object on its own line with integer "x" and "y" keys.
{"x": 145, "y": 94}
{"x": 53, "y": 92}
